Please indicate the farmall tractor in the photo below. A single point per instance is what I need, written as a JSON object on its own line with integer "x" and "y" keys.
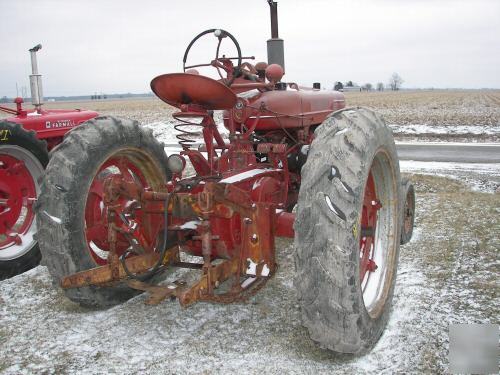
{"x": 115, "y": 212}
{"x": 25, "y": 140}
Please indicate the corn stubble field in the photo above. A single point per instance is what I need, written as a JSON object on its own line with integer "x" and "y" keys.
{"x": 435, "y": 115}
{"x": 447, "y": 274}
{"x": 435, "y": 107}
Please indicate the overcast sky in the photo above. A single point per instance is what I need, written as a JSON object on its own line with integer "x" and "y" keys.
{"x": 118, "y": 46}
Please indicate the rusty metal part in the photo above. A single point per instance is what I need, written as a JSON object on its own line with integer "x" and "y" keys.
{"x": 215, "y": 275}
{"x": 194, "y": 266}
{"x": 113, "y": 259}
{"x": 277, "y": 148}
{"x": 204, "y": 287}
{"x": 233, "y": 196}
{"x": 258, "y": 239}
{"x": 157, "y": 293}
{"x": 105, "y": 274}
{"x": 200, "y": 290}
{"x": 239, "y": 294}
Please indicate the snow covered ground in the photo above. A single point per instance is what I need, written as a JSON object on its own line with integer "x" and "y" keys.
{"x": 423, "y": 129}
{"x": 447, "y": 274}
{"x": 479, "y": 177}
{"x": 165, "y": 131}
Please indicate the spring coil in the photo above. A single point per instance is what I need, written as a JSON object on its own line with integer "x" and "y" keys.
{"x": 185, "y": 136}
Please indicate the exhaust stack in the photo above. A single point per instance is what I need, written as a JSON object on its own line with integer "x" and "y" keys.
{"x": 36, "y": 80}
{"x": 275, "y": 45}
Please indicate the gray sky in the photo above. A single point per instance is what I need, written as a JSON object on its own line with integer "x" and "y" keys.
{"x": 118, "y": 46}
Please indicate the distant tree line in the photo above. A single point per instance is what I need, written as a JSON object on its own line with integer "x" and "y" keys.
{"x": 395, "y": 82}
{"x": 98, "y": 96}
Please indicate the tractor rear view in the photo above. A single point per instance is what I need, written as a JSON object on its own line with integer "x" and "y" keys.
{"x": 25, "y": 140}
{"x": 115, "y": 212}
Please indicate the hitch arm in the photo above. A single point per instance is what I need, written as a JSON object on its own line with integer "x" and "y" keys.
{"x": 104, "y": 274}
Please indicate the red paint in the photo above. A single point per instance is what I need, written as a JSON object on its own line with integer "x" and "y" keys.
{"x": 49, "y": 125}
{"x": 186, "y": 88}
{"x": 96, "y": 224}
{"x": 371, "y": 205}
{"x": 20, "y": 192}
{"x": 291, "y": 108}
{"x": 284, "y": 224}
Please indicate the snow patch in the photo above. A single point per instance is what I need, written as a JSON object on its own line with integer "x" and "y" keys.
{"x": 245, "y": 175}
{"x": 252, "y": 267}
{"x": 190, "y": 225}
{"x": 265, "y": 270}
{"x": 411, "y": 129}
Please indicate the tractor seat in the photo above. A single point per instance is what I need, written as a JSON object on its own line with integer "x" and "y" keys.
{"x": 177, "y": 89}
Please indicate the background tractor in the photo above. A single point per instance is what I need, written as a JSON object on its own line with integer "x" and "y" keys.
{"x": 115, "y": 211}
{"x": 25, "y": 140}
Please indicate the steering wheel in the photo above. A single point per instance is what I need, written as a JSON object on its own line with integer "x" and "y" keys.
{"x": 219, "y": 62}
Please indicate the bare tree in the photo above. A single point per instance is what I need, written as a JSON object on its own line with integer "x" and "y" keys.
{"x": 380, "y": 86}
{"x": 395, "y": 81}
{"x": 368, "y": 86}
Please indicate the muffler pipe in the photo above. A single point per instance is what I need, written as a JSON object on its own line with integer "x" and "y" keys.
{"x": 36, "y": 80}
{"x": 275, "y": 45}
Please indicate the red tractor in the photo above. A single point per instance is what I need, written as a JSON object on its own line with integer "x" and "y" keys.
{"x": 115, "y": 212}
{"x": 25, "y": 140}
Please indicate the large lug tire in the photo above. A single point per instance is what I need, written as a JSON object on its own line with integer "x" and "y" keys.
{"x": 72, "y": 231}
{"x": 348, "y": 201}
{"x": 408, "y": 210}
{"x": 23, "y": 158}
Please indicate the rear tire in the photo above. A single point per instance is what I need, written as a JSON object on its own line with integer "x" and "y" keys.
{"x": 408, "y": 210}
{"x": 352, "y": 164}
{"x": 16, "y": 143}
{"x": 66, "y": 193}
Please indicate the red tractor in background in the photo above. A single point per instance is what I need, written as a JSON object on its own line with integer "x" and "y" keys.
{"x": 115, "y": 212}
{"x": 25, "y": 140}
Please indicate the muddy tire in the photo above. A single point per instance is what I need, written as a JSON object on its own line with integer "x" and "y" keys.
{"x": 348, "y": 200}
{"x": 408, "y": 210}
{"x": 18, "y": 184}
{"x": 68, "y": 191}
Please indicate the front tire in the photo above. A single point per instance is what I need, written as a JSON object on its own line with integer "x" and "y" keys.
{"x": 23, "y": 158}
{"x": 347, "y": 231}
{"x": 71, "y": 213}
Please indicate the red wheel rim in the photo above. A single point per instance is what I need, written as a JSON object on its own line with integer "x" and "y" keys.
{"x": 96, "y": 226}
{"x": 371, "y": 205}
{"x": 378, "y": 237}
{"x": 18, "y": 192}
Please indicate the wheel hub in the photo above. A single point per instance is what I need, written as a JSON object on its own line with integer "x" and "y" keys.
{"x": 19, "y": 172}
{"x": 113, "y": 171}
{"x": 371, "y": 205}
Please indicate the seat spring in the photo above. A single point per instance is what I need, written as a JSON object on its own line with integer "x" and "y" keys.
{"x": 186, "y": 136}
